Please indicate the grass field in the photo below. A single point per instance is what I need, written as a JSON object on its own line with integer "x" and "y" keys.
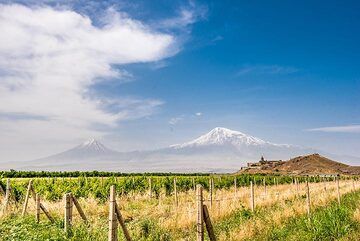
{"x": 280, "y": 214}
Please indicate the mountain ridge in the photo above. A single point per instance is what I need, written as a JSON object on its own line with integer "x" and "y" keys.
{"x": 221, "y": 135}
{"x": 219, "y": 149}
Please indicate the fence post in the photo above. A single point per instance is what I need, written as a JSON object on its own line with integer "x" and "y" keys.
{"x": 42, "y": 207}
{"x": 71, "y": 207}
{"x": 338, "y": 188}
{"x": 27, "y": 198}
{"x": 112, "y": 217}
{"x": 208, "y": 224}
{"x": 194, "y": 186}
{"x": 252, "y": 198}
{"x": 37, "y": 210}
{"x": 2, "y": 190}
{"x": 133, "y": 187}
{"x": 200, "y": 214}
{"x": 7, "y": 195}
{"x": 150, "y": 187}
{"x": 78, "y": 207}
{"x": 175, "y": 192}
{"x": 67, "y": 212}
{"x": 211, "y": 192}
{"x": 122, "y": 223}
{"x": 308, "y": 197}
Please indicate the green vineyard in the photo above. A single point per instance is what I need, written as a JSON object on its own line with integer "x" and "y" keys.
{"x": 53, "y": 188}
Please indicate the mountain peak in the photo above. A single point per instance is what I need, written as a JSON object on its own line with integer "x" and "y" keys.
{"x": 91, "y": 141}
{"x": 223, "y": 136}
{"x": 93, "y": 145}
{"x": 224, "y": 131}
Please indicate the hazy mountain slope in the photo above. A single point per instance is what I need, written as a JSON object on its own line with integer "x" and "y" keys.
{"x": 237, "y": 145}
{"x": 220, "y": 150}
{"x": 87, "y": 150}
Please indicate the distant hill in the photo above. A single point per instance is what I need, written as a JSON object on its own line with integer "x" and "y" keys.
{"x": 314, "y": 164}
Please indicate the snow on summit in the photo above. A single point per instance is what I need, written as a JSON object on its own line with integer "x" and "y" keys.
{"x": 224, "y": 136}
{"x": 93, "y": 144}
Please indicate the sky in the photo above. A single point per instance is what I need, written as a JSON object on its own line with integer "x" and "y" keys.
{"x": 148, "y": 74}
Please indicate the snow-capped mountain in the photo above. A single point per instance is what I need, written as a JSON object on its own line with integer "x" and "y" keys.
{"x": 220, "y": 150}
{"x": 226, "y": 148}
{"x": 222, "y": 136}
{"x": 93, "y": 146}
{"x": 87, "y": 150}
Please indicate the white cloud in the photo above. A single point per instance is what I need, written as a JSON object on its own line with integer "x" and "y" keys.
{"x": 186, "y": 16}
{"x": 175, "y": 120}
{"x": 266, "y": 70}
{"x": 198, "y": 114}
{"x": 343, "y": 129}
{"x": 50, "y": 58}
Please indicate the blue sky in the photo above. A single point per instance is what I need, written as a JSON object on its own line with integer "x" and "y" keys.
{"x": 283, "y": 71}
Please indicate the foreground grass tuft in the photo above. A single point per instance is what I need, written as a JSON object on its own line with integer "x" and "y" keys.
{"x": 331, "y": 223}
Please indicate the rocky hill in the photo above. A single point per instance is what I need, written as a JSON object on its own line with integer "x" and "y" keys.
{"x": 313, "y": 164}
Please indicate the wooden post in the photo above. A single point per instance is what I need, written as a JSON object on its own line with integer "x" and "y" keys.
{"x": 27, "y": 198}
{"x": 2, "y": 190}
{"x": 324, "y": 185}
{"x": 79, "y": 209}
{"x": 252, "y": 198}
{"x": 208, "y": 224}
{"x": 150, "y": 187}
{"x": 71, "y": 207}
{"x": 175, "y": 192}
{"x": 112, "y": 215}
{"x": 122, "y": 223}
{"x": 338, "y": 189}
{"x": 274, "y": 181}
{"x": 42, "y": 207}
{"x": 200, "y": 213}
{"x": 211, "y": 192}
{"x": 67, "y": 212}
{"x": 308, "y": 203}
{"x": 133, "y": 187}
{"x": 7, "y": 196}
{"x": 37, "y": 210}
{"x": 193, "y": 183}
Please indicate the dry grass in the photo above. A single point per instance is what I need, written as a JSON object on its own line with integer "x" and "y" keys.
{"x": 357, "y": 215}
{"x": 288, "y": 202}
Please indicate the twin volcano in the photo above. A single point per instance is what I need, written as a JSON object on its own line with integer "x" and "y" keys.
{"x": 220, "y": 150}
